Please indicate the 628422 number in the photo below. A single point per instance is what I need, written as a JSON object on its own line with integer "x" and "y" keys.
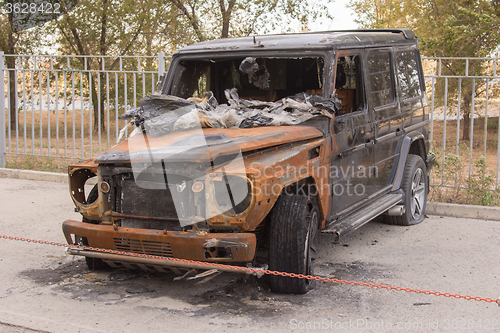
{"x": 33, "y": 8}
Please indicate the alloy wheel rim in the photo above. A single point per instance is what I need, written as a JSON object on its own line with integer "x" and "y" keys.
{"x": 417, "y": 194}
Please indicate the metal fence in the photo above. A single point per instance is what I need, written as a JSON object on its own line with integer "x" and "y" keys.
{"x": 463, "y": 95}
{"x": 68, "y": 106}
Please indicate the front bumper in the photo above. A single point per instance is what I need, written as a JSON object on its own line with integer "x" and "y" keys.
{"x": 199, "y": 246}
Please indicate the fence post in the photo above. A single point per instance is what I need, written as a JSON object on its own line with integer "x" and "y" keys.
{"x": 2, "y": 110}
{"x": 161, "y": 63}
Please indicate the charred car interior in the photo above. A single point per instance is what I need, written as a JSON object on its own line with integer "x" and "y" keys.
{"x": 253, "y": 146}
{"x": 264, "y": 79}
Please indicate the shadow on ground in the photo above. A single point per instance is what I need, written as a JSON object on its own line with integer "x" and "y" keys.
{"x": 227, "y": 293}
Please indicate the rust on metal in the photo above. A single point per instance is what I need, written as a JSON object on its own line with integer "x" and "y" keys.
{"x": 239, "y": 140}
{"x": 179, "y": 244}
{"x": 118, "y": 216}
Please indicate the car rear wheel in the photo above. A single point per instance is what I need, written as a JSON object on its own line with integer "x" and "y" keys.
{"x": 415, "y": 187}
{"x": 293, "y": 243}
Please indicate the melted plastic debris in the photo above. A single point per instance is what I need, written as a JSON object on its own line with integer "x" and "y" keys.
{"x": 258, "y": 75}
{"x": 160, "y": 114}
{"x": 258, "y": 120}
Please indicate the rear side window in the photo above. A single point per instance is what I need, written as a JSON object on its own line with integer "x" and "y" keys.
{"x": 380, "y": 78}
{"x": 407, "y": 71}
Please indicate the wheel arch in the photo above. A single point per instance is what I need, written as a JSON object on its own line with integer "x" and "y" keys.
{"x": 412, "y": 143}
{"x": 417, "y": 145}
{"x": 309, "y": 187}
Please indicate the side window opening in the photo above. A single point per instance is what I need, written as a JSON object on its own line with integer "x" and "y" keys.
{"x": 348, "y": 84}
{"x": 196, "y": 80}
{"x": 407, "y": 71}
{"x": 380, "y": 79}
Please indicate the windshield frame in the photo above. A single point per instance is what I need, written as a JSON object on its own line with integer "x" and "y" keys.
{"x": 327, "y": 55}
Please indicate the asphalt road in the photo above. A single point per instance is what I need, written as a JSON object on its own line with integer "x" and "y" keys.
{"x": 44, "y": 290}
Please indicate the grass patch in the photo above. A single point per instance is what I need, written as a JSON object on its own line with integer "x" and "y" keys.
{"x": 38, "y": 163}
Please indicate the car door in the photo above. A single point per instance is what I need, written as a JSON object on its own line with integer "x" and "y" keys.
{"x": 351, "y": 164}
{"x": 388, "y": 120}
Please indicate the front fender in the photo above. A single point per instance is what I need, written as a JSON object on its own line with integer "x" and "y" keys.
{"x": 273, "y": 170}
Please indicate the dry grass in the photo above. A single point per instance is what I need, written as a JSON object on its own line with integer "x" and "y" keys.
{"x": 39, "y": 163}
{"x": 34, "y": 153}
{"x": 456, "y": 171}
{"x": 60, "y": 134}
{"x": 481, "y": 144}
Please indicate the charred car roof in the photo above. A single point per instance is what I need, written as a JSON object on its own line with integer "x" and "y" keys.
{"x": 319, "y": 40}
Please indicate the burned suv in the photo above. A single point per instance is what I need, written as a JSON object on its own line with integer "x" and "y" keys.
{"x": 253, "y": 145}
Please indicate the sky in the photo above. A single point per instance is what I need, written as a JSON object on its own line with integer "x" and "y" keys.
{"x": 343, "y": 18}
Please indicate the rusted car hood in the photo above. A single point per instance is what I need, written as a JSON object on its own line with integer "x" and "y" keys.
{"x": 205, "y": 144}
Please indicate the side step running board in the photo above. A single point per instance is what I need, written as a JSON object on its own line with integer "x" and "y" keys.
{"x": 364, "y": 215}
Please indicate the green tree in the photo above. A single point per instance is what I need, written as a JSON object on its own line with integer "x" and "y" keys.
{"x": 115, "y": 28}
{"x": 8, "y": 43}
{"x": 458, "y": 28}
{"x": 128, "y": 27}
{"x": 226, "y": 18}
{"x": 12, "y": 43}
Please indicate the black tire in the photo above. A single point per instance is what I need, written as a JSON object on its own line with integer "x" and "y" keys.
{"x": 94, "y": 264}
{"x": 414, "y": 185}
{"x": 293, "y": 243}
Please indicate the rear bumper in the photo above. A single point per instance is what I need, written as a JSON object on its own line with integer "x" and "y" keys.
{"x": 209, "y": 247}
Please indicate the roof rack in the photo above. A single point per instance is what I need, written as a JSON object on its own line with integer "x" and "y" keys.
{"x": 406, "y": 32}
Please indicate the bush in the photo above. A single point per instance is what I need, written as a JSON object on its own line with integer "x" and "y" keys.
{"x": 480, "y": 186}
{"x": 451, "y": 182}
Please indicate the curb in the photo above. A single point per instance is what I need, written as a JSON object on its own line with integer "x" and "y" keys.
{"x": 54, "y": 177}
{"x": 432, "y": 208}
{"x": 34, "y": 175}
{"x": 463, "y": 211}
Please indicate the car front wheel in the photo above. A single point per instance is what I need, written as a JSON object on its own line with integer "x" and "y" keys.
{"x": 293, "y": 243}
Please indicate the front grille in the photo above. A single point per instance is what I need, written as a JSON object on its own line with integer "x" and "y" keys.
{"x": 149, "y": 203}
{"x": 149, "y": 199}
{"x": 143, "y": 247}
